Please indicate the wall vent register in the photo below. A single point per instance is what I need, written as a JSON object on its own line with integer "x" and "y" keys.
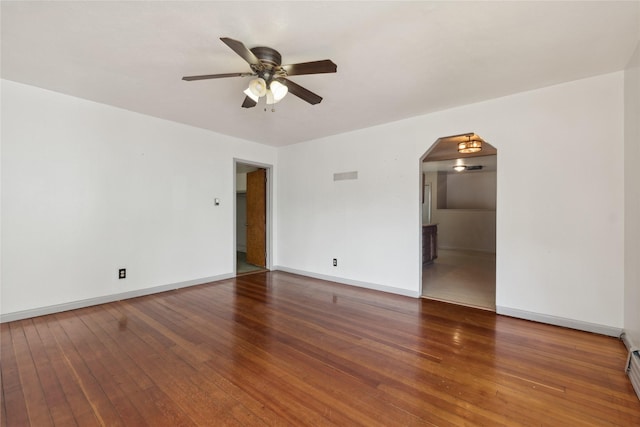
{"x": 342, "y": 176}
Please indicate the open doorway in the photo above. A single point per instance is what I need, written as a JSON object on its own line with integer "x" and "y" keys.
{"x": 252, "y": 219}
{"x": 459, "y": 222}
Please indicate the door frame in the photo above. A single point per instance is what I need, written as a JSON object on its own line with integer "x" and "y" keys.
{"x": 268, "y": 207}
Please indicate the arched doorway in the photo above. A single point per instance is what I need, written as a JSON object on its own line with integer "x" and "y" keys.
{"x": 459, "y": 222}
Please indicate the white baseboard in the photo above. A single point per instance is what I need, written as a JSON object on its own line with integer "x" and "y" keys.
{"x": 560, "y": 321}
{"x": 629, "y": 342}
{"x": 358, "y": 283}
{"x": 57, "y": 308}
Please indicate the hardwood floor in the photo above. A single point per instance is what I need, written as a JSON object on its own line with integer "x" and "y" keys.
{"x": 280, "y": 349}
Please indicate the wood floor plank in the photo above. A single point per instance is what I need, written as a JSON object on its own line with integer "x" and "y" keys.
{"x": 279, "y": 349}
{"x": 37, "y": 408}
{"x": 12, "y": 388}
{"x": 300, "y": 365}
{"x": 3, "y": 406}
{"x": 174, "y": 378}
{"x": 156, "y": 405}
{"x": 54, "y": 395}
{"x": 106, "y": 369}
{"x": 67, "y": 331}
{"x": 79, "y": 405}
{"x": 276, "y": 357}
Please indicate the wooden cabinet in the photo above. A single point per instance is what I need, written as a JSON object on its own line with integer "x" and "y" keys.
{"x": 429, "y": 243}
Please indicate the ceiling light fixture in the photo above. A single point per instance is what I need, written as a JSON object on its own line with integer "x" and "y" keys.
{"x": 274, "y": 90}
{"x": 470, "y": 145}
{"x": 258, "y": 87}
{"x": 459, "y": 168}
{"x": 251, "y": 95}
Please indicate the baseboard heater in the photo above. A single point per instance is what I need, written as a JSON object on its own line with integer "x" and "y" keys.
{"x": 633, "y": 369}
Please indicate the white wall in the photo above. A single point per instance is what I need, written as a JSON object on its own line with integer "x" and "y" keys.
{"x": 241, "y": 220}
{"x": 559, "y": 231}
{"x": 466, "y": 229}
{"x": 241, "y": 182}
{"x": 469, "y": 229}
{"x": 363, "y": 223}
{"x": 88, "y": 189}
{"x": 471, "y": 190}
{"x": 632, "y": 198}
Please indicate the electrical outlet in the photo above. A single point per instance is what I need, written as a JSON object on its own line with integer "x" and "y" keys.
{"x": 335, "y": 262}
{"x": 122, "y": 273}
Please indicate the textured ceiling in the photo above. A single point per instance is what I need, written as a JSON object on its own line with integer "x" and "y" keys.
{"x": 395, "y": 59}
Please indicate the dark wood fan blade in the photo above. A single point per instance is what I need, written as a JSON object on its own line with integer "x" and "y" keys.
{"x": 239, "y": 48}
{"x": 249, "y": 103}
{"x": 314, "y": 67}
{"x": 216, "y": 76}
{"x": 300, "y": 92}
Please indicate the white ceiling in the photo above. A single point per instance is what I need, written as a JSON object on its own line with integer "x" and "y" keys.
{"x": 395, "y": 59}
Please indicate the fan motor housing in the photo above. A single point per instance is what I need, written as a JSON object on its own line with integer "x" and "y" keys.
{"x": 267, "y": 56}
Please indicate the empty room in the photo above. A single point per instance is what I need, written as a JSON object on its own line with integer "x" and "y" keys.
{"x": 320, "y": 213}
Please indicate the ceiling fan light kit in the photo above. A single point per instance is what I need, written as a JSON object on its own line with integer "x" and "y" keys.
{"x": 278, "y": 90}
{"x": 258, "y": 87}
{"x": 271, "y": 78}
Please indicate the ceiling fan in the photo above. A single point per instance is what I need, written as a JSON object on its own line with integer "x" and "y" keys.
{"x": 271, "y": 77}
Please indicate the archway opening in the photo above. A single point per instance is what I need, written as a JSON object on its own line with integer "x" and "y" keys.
{"x": 459, "y": 222}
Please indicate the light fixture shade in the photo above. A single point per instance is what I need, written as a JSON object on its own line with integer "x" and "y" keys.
{"x": 279, "y": 90}
{"x": 258, "y": 87}
{"x": 270, "y": 98}
{"x": 470, "y": 146}
{"x": 459, "y": 168}
{"x": 251, "y": 95}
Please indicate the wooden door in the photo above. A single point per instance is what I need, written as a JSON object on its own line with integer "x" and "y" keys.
{"x": 257, "y": 218}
